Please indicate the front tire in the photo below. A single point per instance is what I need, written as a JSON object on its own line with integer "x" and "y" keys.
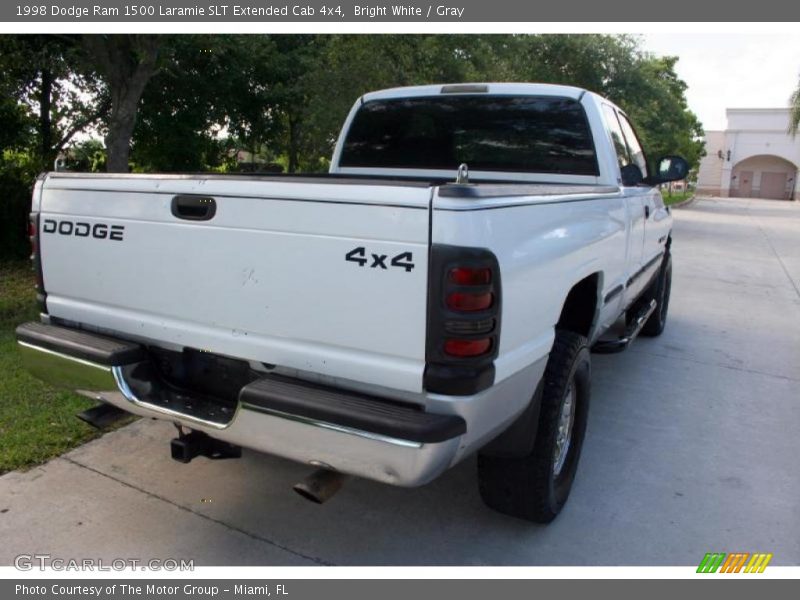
{"x": 535, "y": 487}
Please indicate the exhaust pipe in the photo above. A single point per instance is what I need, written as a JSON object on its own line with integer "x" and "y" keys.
{"x": 321, "y": 485}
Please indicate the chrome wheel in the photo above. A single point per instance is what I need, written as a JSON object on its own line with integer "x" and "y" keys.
{"x": 564, "y": 433}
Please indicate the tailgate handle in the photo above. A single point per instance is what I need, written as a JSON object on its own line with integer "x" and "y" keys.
{"x": 194, "y": 208}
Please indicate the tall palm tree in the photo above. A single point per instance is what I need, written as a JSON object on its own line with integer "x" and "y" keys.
{"x": 794, "y": 114}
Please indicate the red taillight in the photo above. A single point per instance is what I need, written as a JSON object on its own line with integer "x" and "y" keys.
{"x": 465, "y": 348}
{"x": 470, "y": 276}
{"x": 33, "y": 236}
{"x": 468, "y": 301}
{"x": 464, "y": 311}
{"x": 467, "y": 290}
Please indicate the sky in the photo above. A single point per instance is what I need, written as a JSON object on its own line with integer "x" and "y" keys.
{"x": 726, "y": 70}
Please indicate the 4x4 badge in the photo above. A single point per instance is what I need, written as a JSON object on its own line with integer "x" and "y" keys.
{"x": 359, "y": 256}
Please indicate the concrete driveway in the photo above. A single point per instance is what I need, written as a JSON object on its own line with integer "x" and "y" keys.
{"x": 693, "y": 446}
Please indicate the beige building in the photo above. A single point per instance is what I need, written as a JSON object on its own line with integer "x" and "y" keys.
{"x": 754, "y": 157}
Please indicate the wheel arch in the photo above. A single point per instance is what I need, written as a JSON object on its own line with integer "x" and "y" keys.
{"x": 580, "y": 310}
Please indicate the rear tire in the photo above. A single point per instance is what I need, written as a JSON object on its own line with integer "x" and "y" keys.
{"x": 535, "y": 487}
{"x": 660, "y": 291}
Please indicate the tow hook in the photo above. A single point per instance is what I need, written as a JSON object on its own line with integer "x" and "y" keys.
{"x": 321, "y": 485}
{"x": 190, "y": 445}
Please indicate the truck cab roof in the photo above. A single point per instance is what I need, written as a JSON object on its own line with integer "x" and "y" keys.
{"x": 497, "y": 88}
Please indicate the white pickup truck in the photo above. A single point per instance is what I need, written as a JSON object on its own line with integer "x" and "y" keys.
{"x": 436, "y": 295}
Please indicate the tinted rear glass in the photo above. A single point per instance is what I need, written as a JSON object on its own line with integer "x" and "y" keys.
{"x": 489, "y": 133}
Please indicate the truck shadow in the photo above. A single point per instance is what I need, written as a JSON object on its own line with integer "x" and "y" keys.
{"x": 366, "y": 523}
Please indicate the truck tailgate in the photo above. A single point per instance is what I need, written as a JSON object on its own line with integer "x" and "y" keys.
{"x": 324, "y": 276}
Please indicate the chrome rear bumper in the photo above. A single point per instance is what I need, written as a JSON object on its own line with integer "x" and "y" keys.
{"x": 297, "y": 421}
{"x": 61, "y": 370}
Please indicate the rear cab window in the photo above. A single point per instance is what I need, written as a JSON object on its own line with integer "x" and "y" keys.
{"x": 522, "y": 134}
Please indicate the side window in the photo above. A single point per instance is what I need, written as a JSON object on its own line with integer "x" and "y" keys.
{"x": 634, "y": 146}
{"x": 617, "y": 137}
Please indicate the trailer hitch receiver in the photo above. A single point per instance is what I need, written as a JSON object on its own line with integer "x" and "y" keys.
{"x": 190, "y": 445}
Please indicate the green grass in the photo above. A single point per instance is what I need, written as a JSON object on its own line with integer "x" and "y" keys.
{"x": 676, "y": 197}
{"x": 37, "y": 422}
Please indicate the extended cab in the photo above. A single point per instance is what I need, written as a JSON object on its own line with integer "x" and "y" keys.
{"x": 436, "y": 295}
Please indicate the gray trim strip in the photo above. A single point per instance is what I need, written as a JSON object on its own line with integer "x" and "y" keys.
{"x": 512, "y": 204}
{"x": 315, "y": 179}
{"x": 613, "y": 293}
{"x": 641, "y": 271}
{"x": 521, "y": 189}
{"x": 618, "y": 289}
{"x": 234, "y": 196}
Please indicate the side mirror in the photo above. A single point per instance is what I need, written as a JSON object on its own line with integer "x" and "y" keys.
{"x": 671, "y": 168}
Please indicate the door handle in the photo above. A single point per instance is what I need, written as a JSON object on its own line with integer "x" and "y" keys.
{"x": 194, "y": 208}
{"x": 646, "y": 212}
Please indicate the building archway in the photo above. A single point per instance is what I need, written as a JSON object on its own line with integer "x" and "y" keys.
{"x": 764, "y": 176}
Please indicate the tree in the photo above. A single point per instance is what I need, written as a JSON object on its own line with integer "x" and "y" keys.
{"x": 126, "y": 63}
{"x": 17, "y": 168}
{"x": 88, "y": 156}
{"x": 16, "y": 125}
{"x": 41, "y": 109}
{"x": 794, "y": 111}
{"x": 656, "y": 102}
{"x": 42, "y": 76}
{"x": 264, "y": 100}
{"x": 186, "y": 124}
{"x": 186, "y": 103}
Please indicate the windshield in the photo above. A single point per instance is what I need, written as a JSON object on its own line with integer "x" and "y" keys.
{"x": 525, "y": 134}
